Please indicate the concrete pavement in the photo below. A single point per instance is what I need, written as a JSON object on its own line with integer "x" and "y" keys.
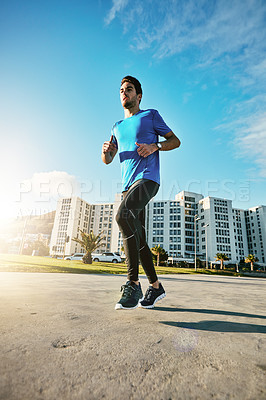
{"x": 62, "y": 339}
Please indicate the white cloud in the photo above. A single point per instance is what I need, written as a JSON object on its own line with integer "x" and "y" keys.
{"x": 249, "y": 135}
{"x": 223, "y": 32}
{"x": 251, "y": 141}
{"x": 40, "y": 193}
{"x": 36, "y": 195}
{"x": 118, "y": 5}
{"x": 51, "y": 185}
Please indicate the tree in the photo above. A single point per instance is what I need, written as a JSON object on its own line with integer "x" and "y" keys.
{"x": 200, "y": 263}
{"x": 163, "y": 257}
{"x": 251, "y": 258}
{"x": 89, "y": 242}
{"x": 160, "y": 253}
{"x": 221, "y": 257}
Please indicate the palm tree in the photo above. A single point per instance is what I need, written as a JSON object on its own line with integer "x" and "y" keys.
{"x": 251, "y": 258}
{"x": 89, "y": 242}
{"x": 157, "y": 250}
{"x": 221, "y": 257}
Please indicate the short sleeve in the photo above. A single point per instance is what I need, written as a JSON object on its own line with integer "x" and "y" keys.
{"x": 159, "y": 125}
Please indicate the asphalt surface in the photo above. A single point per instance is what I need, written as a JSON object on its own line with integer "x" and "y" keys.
{"x": 62, "y": 339}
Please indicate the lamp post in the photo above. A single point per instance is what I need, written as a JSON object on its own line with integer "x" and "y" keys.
{"x": 205, "y": 226}
{"x": 196, "y": 218}
{"x": 66, "y": 241}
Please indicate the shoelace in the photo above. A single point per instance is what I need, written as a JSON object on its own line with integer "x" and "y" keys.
{"x": 127, "y": 290}
{"x": 149, "y": 293}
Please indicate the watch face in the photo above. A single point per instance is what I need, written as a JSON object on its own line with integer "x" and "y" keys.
{"x": 159, "y": 145}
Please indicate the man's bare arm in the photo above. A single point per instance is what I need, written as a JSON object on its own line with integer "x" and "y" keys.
{"x": 109, "y": 151}
{"x": 171, "y": 142}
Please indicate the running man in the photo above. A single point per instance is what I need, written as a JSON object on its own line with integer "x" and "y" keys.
{"x": 136, "y": 140}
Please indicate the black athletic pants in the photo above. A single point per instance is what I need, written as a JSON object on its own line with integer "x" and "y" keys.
{"x": 131, "y": 221}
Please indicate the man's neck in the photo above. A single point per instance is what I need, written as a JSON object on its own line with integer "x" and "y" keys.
{"x": 128, "y": 112}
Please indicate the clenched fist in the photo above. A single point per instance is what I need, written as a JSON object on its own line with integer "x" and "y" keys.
{"x": 108, "y": 146}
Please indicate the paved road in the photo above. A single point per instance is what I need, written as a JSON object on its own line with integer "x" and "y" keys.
{"x": 62, "y": 339}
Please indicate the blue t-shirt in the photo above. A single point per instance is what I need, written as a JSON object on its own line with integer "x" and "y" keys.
{"x": 142, "y": 127}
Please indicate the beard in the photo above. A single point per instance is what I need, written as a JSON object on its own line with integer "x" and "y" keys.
{"x": 130, "y": 103}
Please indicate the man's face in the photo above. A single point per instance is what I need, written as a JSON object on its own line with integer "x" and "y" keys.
{"x": 128, "y": 96}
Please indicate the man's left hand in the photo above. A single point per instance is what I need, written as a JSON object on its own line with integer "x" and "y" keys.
{"x": 145, "y": 149}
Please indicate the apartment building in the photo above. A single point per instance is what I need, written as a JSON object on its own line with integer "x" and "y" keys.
{"x": 74, "y": 214}
{"x": 164, "y": 226}
{"x": 173, "y": 224}
{"x": 101, "y": 220}
{"x": 255, "y": 219}
{"x": 218, "y": 227}
{"x": 240, "y": 234}
{"x": 170, "y": 224}
{"x": 71, "y": 215}
{"x": 189, "y": 202}
{"x": 221, "y": 229}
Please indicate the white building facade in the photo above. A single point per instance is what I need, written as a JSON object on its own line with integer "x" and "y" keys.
{"x": 101, "y": 221}
{"x": 255, "y": 219}
{"x": 74, "y": 214}
{"x": 164, "y": 226}
{"x": 71, "y": 215}
{"x": 221, "y": 229}
{"x": 172, "y": 224}
{"x": 189, "y": 202}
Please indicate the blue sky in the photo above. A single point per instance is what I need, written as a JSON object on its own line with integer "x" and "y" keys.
{"x": 202, "y": 64}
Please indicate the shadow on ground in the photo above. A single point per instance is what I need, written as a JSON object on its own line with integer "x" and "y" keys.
{"x": 233, "y": 281}
{"x": 206, "y": 311}
{"x": 218, "y": 326}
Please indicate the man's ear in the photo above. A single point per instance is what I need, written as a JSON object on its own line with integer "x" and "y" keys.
{"x": 139, "y": 97}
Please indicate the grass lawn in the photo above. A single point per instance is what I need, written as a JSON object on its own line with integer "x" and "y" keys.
{"x": 18, "y": 263}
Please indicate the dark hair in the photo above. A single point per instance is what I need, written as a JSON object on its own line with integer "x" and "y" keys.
{"x": 134, "y": 82}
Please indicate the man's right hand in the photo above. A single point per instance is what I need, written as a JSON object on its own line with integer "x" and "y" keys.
{"x": 109, "y": 150}
{"x": 109, "y": 146}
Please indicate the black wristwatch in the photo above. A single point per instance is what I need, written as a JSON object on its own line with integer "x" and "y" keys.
{"x": 159, "y": 146}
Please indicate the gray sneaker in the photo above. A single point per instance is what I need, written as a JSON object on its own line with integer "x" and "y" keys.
{"x": 131, "y": 295}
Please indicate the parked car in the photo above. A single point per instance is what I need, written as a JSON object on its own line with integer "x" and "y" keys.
{"x": 75, "y": 256}
{"x": 107, "y": 257}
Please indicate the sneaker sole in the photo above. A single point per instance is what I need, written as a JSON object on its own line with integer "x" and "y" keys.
{"x": 155, "y": 301}
{"x": 119, "y": 306}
